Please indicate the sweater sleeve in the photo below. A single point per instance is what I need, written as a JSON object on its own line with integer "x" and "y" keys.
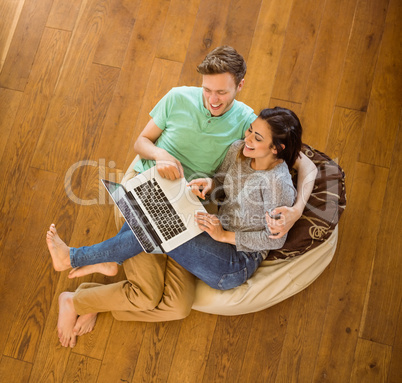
{"x": 277, "y": 191}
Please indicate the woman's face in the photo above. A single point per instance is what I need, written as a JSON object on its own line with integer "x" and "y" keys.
{"x": 258, "y": 140}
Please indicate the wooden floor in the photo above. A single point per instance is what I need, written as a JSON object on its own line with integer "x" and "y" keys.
{"x": 78, "y": 79}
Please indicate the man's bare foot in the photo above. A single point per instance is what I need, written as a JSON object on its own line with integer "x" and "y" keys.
{"x": 108, "y": 268}
{"x": 59, "y": 251}
{"x": 85, "y": 324}
{"x": 67, "y": 320}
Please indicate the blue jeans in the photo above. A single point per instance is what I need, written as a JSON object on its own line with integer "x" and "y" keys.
{"x": 218, "y": 264}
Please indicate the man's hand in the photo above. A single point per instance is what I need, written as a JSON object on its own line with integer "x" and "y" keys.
{"x": 201, "y": 186}
{"x": 168, "y": 166}
{"x": 288, "y": 217}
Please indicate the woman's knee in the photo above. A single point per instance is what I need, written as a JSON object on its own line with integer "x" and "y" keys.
{"x": 232, "y": 280}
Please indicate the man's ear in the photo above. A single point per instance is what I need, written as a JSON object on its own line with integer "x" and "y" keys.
{"x": 240, "y": 86}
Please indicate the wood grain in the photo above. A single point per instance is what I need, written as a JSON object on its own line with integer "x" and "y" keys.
{"x": 395, "y": 371}
{"x": 157, "y": 350}
{"x": 344, "y": 139}
{"x": 81, "y": 369}
{"x": 10, "y": 11}
{"x": 241, "y": 12}
{"x": 88, "y": 109}
{"x": 353, "y": 266}
{"x": 132, "y": 83}
{"x": 9, "y": 103}
{"x": 24, "y": 308}
{"x": 51, "y": 358}
{"x": 265, "y": 53}
{"x": 121, "y": 353}
{"x": 295, "y": 107}
{"x": 381, "y": 317}
{"x": 385, "y": 100}
{"x": 228, "y": 348}
{"x": 112, "y": 45}
{"x": 14, "y": 369}
{"x": 24, "y": 44}
{"x": 28, "y": 122}
{"x": 298, "y": 49}
{"x": 364, "y": 42}
{"x": 193, "y": 345}
{"x": 326, "y": 70}
{"x": 371, "y": 362}
{"x": 64, "y": 14}
{"x": 304, "y": 330}
{"x": 207, "y": 34}
{"x": 175, "y": 38}
{"x": 163, "y": 77}
{"x": 268, "y": 331}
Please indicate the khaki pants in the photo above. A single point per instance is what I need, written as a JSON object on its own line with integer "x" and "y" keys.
{"x": 157, "y": 289}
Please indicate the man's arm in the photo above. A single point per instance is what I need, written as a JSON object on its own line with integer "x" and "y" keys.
{"x": 307, "y": 172}
{"x": 167, "y": 165}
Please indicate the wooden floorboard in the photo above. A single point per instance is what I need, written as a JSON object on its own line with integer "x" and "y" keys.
{"x": 78, "y": 79}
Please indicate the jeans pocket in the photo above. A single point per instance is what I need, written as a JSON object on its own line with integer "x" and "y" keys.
{"x": 229, "y": 281}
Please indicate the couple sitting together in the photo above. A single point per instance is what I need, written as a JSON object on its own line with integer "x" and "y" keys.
{"x": 216, "y": 143}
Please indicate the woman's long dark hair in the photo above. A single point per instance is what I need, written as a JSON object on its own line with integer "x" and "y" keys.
{"x": 286, "y": 130}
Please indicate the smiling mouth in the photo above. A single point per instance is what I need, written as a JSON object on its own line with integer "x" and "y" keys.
{"x": 248, "y": 147}
{"x": 215, "y": 106}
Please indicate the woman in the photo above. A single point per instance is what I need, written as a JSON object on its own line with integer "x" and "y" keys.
{"x": 255, "y": 178}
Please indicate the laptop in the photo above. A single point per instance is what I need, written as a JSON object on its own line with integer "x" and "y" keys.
{"x": 160, "y": 212}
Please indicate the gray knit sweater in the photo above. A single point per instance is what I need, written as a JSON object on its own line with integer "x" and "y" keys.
{"x": 249, "y": 194}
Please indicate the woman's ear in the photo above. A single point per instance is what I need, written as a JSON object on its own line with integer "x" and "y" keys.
{"x": 275, "y": 151}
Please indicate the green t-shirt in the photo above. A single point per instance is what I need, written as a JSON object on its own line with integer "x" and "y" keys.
{"x": 190, "y": 134}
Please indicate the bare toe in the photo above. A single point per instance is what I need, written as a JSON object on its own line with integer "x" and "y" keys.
{"x": 85, "y": 324}
{"x": 59, "y": 251}
{"x": 108, "y": 268}
{"x": 67, "y": 320}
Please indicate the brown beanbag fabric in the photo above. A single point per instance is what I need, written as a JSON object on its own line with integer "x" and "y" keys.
{"x": 323, "y": 210}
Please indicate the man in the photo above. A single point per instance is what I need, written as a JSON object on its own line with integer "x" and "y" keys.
{"x": 188, "y": 135}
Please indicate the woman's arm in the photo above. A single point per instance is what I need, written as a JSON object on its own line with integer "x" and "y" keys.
{"x": 307, "y": 171}
{"x": 210, "y": 223}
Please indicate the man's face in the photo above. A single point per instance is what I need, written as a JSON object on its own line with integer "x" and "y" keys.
{"x": 219, "y": 92}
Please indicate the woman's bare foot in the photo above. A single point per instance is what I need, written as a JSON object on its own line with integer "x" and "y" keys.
{"x": 85, "y": 324}
{"x": 59, "y": 251}
{"x": 67, "y": 320}
{"x": 108, "y": 268}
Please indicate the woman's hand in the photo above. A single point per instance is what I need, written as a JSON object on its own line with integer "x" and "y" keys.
{"x": 210, "y": 223}
{"x": 201, "y": 186}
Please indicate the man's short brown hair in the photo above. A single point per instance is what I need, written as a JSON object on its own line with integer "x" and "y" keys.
{"x": 222, "y": 60}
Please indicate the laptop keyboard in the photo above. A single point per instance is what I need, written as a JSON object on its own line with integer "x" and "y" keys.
{"x": 160, "y": 209}
{"x": 142, "y": 237}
